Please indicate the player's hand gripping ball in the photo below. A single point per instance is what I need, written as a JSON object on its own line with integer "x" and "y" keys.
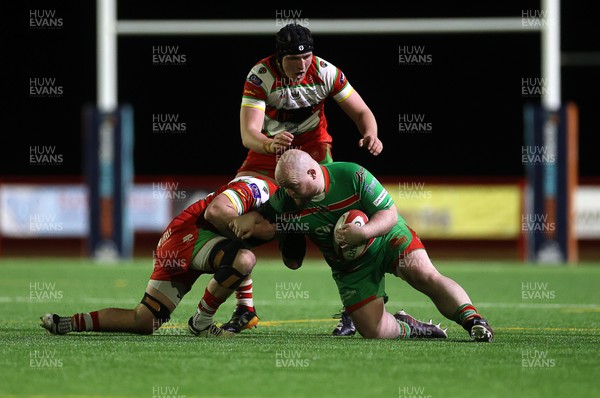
{"x": 351, "y": 252}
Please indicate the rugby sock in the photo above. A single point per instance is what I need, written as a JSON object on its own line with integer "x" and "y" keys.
{"x": 404, "y": 329}
{"x": 243, "y": 295}
{"x": 206, "y": 310}
{"x": 465, "y": 315}
{"x": 85, "y": 322}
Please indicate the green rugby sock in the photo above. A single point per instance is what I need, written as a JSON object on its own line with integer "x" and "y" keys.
{"x": 404, "y": 329}
{"x": 465, "y": 315}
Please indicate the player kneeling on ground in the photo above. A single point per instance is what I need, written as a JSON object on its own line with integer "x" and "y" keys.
{"x": 316, "y": 196}
{"x": 194, "y": 243}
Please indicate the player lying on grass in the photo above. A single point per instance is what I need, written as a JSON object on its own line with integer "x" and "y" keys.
{"x": 316, "y": 196}
{"x": 197, "y": 241}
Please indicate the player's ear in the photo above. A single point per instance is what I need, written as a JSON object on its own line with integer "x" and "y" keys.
{"x": 312, "y": 173}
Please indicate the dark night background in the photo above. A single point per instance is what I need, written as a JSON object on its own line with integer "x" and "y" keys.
{"x": 471, "y": 92}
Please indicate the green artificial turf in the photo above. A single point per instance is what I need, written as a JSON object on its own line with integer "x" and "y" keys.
{"x": 547, "y": 323}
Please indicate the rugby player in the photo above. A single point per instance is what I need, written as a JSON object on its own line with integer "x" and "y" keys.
{"x": 198, "y": 241}
{"x": 316, "y": 196}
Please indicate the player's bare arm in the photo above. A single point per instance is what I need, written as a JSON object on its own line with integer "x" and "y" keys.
{"x": 219, "y": 213}
{"x": 251, "y": 123}
{"x": 379, "y": 224}
{"x": 356, "y": 108}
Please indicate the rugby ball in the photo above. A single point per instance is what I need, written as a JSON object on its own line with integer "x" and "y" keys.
{"x": 351, "y": 252}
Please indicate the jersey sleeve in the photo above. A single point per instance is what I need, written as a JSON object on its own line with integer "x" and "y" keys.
{"x": 248, "y": 194}
{"x": 334, "y": 78}
{"x": 255, "y": 87}
{"x": 373, "y": 196}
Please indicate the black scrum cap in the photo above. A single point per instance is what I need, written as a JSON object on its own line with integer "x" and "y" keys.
{"x": 293, "y": 39}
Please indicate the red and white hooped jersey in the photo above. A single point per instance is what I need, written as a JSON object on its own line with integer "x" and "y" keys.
{"x": 245, "y": 194}
{"x": 249, "y": 193}
{"x": 296, "y": 107}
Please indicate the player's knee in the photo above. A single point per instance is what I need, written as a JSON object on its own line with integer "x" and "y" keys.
{"x": 231, "y": 276}
{"x": 244, "y": 261}
{"x": 227, "y": 253}
{"x": 368, "y": 319}
{"x": 150, "y": 314}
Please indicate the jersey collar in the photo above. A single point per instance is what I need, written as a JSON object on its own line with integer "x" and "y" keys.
{"x": 322, "y": 195}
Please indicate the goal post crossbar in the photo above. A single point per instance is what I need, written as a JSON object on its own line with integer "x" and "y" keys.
{"x": 329, "y": 26}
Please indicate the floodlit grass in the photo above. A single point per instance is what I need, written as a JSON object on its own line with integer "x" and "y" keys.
{"x": 547, "y": 322}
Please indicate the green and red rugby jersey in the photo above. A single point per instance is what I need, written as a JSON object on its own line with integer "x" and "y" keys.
{"x": 347, "y": 186}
